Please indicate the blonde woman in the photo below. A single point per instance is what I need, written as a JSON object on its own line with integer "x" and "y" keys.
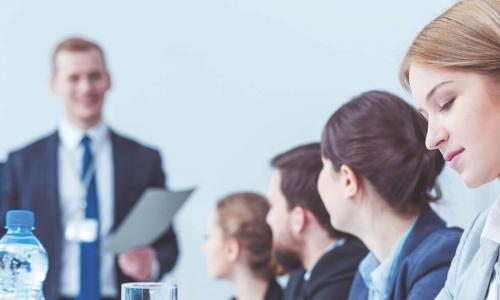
{"x": 239, "y": 247}
{"x": 453, "y": 71}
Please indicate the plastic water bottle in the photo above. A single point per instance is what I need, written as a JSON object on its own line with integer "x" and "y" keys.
{"x": 23, "y": 260}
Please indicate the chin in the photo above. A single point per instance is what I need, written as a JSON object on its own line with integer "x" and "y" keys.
{"x": 214, "y": 274}
{"x": 89, "y": 117}
{"x": 476, "y": 180}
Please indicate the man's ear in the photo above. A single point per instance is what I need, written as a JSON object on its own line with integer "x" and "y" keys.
{"x": 53, "y": 84}
{"x": 350, "y": 182}
{"x": 298, "y": 219}
{"x": 110, "y": 82}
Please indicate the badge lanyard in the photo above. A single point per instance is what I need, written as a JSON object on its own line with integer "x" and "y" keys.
{"x": 79, "y": 228}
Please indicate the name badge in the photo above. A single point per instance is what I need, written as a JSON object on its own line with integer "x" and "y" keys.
{"x": 82, "y": 230}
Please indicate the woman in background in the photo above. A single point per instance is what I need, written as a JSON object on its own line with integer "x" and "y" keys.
{"x": 239, "y": 247}
{"x": 377, "y": 182}
{"x": 453, "y": 71}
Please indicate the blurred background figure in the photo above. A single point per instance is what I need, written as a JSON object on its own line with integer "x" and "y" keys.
{"x": 377, "y": 182}
{"x": 81, "y": 181}
{"x": 238, "y": 247}
{"x": 322, "y": 260}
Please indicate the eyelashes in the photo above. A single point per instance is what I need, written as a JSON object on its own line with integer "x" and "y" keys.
{"x": 447, "y": 105}
{"x": 444, "y": 107}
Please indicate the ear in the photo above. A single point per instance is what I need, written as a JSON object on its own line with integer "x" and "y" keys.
{"x": 233, "y": 249}
{"x": 110, "y": 82}
{"x": 298, "y": 219}
{"x": 349, "y": 181}
{"x": 53, "y": 84}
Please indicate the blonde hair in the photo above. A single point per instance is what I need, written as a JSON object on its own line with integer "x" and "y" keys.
{"x": 243, "y": 217}
{"x": 466, "y": 37}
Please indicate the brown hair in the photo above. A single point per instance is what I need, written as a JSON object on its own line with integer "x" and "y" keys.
{"x": 381, "y": 138}
{"x": 243, "y": 217}
{"x": 75, "y": 44}
{"x": 300, "y": 168}
{"x": 466, "y": 36}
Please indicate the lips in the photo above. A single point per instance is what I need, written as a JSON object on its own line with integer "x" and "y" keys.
{"x": 453, "y": 156}
{"x": 88, "y": 101}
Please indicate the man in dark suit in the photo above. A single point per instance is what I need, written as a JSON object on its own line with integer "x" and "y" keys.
{"x": 81, "y": 182}
{"x": 323, "y": 260}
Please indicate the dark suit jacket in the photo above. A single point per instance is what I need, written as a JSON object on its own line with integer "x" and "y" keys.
{"x": 31, "y": 182}
{"x": 423, "y": 263}
{"x": 274, "y": 291}
{"x": 2, "y": 167}
{"x": 332, "y": 275}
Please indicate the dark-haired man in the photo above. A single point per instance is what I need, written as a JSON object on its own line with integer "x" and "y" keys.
{"x": 323, "y": 260}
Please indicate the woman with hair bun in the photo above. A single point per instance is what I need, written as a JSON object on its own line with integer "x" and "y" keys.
{"x": 453, "y": 71}
{"x": 377, "y": 182}
{"x": 239, "y": 247}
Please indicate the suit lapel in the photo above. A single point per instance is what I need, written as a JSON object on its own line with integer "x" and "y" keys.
{"x": 52, "y": 179}
{"x": 358, "y": 289}
{"x": 425, "y": 224}
{"x": 480, "y": 271}
{"x": 119, "y": 173}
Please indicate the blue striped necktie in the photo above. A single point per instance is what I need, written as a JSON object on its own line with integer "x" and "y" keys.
{"x": 89, "y": 252}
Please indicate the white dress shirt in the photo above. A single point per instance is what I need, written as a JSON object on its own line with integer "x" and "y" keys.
{"x": 72, "y": 196}
{"x": 492, "y": 232}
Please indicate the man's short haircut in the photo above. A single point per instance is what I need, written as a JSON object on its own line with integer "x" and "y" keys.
{"x": 76, "y": 44}
{"x": 299, "y": 169}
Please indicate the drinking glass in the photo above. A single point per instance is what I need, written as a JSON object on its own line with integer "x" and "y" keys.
{"x": 149, "y": 291}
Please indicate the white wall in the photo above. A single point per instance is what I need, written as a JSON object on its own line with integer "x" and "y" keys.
{"x": 219, "y": 86}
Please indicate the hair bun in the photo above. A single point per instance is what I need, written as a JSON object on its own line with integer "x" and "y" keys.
{"x": 382, "y": 138}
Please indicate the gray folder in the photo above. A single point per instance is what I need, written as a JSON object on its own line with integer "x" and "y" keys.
{"x": 147, "y": 221}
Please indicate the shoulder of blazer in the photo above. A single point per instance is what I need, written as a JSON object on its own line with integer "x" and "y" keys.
{"x": 34, "y": 149}
{"x": 438, "y": 249}
{"x": 427, "y": 224}
{"x": 432, "y": 237}
{"x": 127, "y": 144}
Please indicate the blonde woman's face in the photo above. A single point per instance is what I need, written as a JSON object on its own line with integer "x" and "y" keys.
{"x": 218, "y": 264}
{"x": 463, "y": 114}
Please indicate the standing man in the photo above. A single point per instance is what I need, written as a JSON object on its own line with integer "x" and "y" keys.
{"x": 81, "y": 181}
{"x": 322, "y": 260}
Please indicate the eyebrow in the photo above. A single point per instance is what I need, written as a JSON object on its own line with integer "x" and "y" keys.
{"x": 431, "y": 92}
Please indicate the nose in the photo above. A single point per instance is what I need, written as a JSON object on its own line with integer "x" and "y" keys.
{"x": 85, "y": 85}
{"x": 436, "y": 134}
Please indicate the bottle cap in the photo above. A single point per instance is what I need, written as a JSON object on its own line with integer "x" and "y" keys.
{"x": 20, "y": 218}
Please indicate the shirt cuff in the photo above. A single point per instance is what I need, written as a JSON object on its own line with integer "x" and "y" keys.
{"x": 155, "y": 271}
